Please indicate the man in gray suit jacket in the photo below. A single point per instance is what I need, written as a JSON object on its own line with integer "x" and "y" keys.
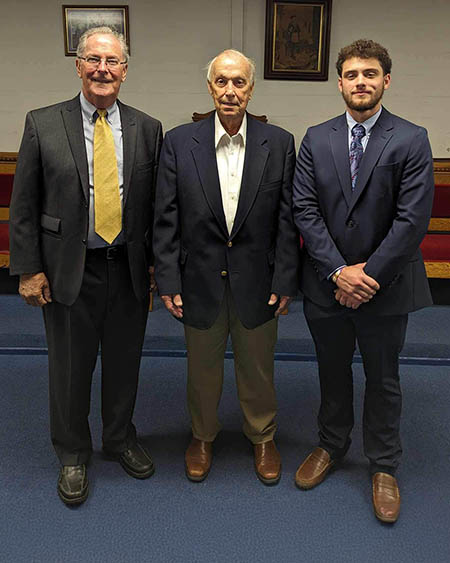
{"x": 226, "y": 257}
{"x": 363, "y": 191}
{"x": 86, "y": 261}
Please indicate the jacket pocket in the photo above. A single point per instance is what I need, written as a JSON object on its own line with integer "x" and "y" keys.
{"x": 51, "y": 225}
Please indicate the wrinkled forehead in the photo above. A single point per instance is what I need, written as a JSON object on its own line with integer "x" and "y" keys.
{"x": 102, "y": 42}
{"x": 229, "y": 65}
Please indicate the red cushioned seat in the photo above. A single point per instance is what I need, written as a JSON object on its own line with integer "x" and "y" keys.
{"x": 441, "y": 201}
{"x": 6, "y": 185}
{"x": 4, "y": 236}
{"x": 436, "y": 247}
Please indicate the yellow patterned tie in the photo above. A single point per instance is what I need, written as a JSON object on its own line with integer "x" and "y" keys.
{"x": 108, "y": 209}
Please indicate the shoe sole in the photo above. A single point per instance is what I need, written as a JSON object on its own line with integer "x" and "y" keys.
{"x": 384, "y": 519}
{"x": 268, "y": 482}
{"x": 70, "y": 501}
{"x": 307, "y": 486}
{"x": 135, "y": 474}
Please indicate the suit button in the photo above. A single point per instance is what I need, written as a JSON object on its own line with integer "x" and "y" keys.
{"x": 351, "y": 224}
{"x": 224, "y": 273}
{"x": 229, "y": 244}
{"x": 84, "y": 241}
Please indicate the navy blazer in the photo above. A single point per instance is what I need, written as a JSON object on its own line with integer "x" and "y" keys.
{"x": 50, "y": 199}
{"x": 382, "y": 222}
{"x": 194, "y": 253}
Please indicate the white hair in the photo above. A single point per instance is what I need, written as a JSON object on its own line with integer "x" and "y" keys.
{"x": 235, "y": 53}
{"x": 104, "y": 31}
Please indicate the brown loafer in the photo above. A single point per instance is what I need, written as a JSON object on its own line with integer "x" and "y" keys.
{"x": 267, "y": 462}
{"x": 314, "y": 469}
{"x": 198, "y": 460}
{"x": 385, "y": 497}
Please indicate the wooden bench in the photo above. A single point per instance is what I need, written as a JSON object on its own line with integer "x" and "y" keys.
{"x": 436, "y": 244}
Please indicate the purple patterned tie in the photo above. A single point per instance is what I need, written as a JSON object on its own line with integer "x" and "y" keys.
{"x": 356, "y": 151}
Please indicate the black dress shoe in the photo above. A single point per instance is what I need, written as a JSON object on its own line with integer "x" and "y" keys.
{"x": 135, "y": 460}
{"x": 73, "y": 484}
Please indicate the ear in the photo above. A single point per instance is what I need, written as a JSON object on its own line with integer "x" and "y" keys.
{"x": 78, "y": 66}
{"x": 124, "y": 72}
{"x": 208, "y": 83}
{"x": 340, "y": 84}
{"x": 387, "y": 81}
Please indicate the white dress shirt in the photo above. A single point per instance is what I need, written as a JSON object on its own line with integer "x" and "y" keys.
{"x": 230, "y": 154}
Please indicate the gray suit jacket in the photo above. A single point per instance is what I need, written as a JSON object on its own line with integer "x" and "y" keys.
{"x": 50, "y": 200}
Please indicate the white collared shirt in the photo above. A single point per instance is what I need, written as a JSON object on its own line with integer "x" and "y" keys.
{"x": 230, "y": 154}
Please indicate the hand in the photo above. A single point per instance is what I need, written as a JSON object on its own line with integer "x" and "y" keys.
{"x": 151, "y": 271}
{"x": 346, "y": 300}
{"x": 354, "y": 282}
{"x": 283, "y": 304}
{"x": 173, "y": 304}
{"x": 35, "y": 289}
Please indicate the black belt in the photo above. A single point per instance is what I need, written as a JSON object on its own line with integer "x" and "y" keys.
{"x": 109, "y": 252}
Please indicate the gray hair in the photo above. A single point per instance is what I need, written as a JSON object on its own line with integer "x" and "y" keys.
{"x": 104, "y": 31}
{"x": 235, "y": 53}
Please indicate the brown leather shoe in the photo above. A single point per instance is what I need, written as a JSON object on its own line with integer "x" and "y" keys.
{"x": 314, "y": 469}
{"x": 385, "y": 497}
{"x": 198, "y": 459}
{"x": 267, "y": 462}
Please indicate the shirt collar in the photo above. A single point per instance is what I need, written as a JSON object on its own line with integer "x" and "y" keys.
{"x": 89, "y": 109}
{"x": 220, "y": 130}
{"x": 368, "y": 124}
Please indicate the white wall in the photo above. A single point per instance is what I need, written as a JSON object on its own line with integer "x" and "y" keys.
{"x": 172, "y": 40}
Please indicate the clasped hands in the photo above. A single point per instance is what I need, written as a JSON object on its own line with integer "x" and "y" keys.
{"x": 174, "y": 303}
{"x": 355, "y": 287}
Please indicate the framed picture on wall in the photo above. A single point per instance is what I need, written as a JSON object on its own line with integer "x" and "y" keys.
{"x": 77, "y": 19}
{"x": 297, "y": 42}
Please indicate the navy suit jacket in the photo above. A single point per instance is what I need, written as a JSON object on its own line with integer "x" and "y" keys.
{"x": 381, "y": 222}
{"x": 50, "y": 199}
{"x": 194, "y": 253}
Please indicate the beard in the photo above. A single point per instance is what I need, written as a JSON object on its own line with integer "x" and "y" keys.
{"x": 363, "y": 105}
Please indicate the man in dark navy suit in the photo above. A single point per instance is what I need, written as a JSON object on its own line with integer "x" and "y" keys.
{"x": 363, "y": 191}
{"x": 226, "y": 257}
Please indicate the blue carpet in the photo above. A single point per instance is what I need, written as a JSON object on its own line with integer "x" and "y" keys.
{"x": 427, "y": 342}
{"x": 230, "y": 517}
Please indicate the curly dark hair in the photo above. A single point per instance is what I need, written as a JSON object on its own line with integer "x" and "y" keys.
{"x": 365, "y": 49}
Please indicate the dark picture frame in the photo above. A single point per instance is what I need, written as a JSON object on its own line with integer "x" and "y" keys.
{"x": 297, "y": 45}
{"x": 78, "y": 18}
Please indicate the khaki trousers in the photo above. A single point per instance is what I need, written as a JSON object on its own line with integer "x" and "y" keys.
{"x": 254, "y": 366}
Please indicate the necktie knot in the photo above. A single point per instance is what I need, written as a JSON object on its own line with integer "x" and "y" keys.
{"x": 102, "y": 113}
{"x": 358, "y": 131}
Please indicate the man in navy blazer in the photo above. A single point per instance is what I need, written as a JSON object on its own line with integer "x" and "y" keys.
{"x": 363, "y": 191}
{"x": 226, "y": 257}
{"x": 92, "y": 291}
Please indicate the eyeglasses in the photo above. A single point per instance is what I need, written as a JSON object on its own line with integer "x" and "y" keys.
{"x": 109, "y": 62}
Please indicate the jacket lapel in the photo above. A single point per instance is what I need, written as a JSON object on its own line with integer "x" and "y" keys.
{"x": 339, "y": 148}
{"x": 204, "y": 154}
{"x": 129, "y": 132}
{"x": 256, "y": 155}
{"x": 73, "y": 123}
{"x": 379, "y": 137}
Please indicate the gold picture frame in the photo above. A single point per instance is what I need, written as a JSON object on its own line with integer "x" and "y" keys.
{"x": 297, "y": 45}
